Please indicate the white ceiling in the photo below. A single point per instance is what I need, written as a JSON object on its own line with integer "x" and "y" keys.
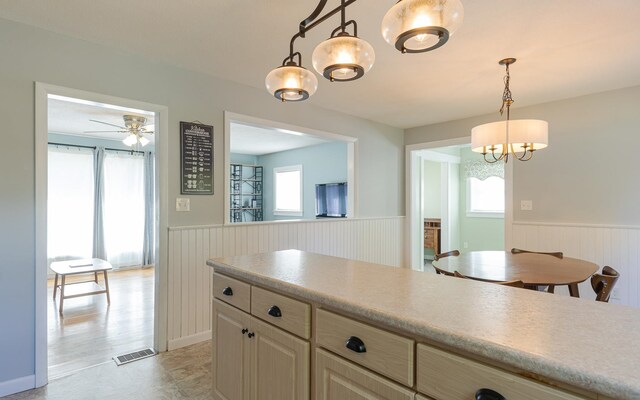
{"x": 564, "y": 48}
{"x": 72, "y": 117}
{"x": 257, "y": 141}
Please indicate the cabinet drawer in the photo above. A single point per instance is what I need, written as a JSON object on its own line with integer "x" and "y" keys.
{"x": 232, "y": 291}
{"x": 384, "y": 352}
{"x": 445, "y": 376}
{"x": 337, "y": 379}
{"x": 291, "y": 315}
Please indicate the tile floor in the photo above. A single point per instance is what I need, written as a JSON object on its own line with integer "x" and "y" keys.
{"x": 180, "y": 374}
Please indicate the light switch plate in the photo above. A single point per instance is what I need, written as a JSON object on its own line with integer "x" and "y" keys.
{"x": 183, "y": 204}
{"x": 526, "y": 205}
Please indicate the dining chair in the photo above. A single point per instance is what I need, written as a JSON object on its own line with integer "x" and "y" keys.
{"x": 556, "y": 254}
{"x": 518, "y": 284}
{"x": 603, "y": 283}
{"x": 443, "y": 255}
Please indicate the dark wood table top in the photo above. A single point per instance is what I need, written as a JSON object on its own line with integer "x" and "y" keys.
{"x": 532, "y": 269}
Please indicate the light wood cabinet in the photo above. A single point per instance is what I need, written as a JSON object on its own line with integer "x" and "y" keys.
{"x": 446, "y": 376}
{"x": 253, "y": 360}
{"x": 279, "y": 364}
{"x": 384, "y": 352}
{"x": 231, "y": 353}
{"x": 337, "y": 379}
{"x": 291, "y": 315}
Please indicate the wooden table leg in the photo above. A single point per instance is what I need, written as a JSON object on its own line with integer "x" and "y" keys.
{"x": 573, "y": 290}
{"x": 55, "y": 286}
{"x": 62, "y": 294}
{"x": 106, "y": 286}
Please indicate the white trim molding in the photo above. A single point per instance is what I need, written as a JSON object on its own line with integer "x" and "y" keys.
{"x": 161, "y": 122}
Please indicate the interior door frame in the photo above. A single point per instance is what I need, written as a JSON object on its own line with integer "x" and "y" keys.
{"x": 413, "y": 182}
{"x": 352, "y": 157}
{"x": 161, "y": 122}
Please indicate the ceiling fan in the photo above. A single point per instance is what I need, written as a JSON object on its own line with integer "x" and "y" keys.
{"x": 134, "y": 125}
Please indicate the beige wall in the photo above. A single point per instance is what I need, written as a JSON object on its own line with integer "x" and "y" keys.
{"x": 589, "y": 172}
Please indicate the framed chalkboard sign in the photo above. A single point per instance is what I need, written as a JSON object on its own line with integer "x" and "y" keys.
{"x": 196, "y": 152}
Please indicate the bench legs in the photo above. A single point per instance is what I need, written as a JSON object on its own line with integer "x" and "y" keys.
{"x": 55, "y": 287}
{"x": 106, "y": 286}
{"x": 61, "y": 293}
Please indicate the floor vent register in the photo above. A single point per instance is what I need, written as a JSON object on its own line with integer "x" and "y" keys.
{"x": 135, "y": 356}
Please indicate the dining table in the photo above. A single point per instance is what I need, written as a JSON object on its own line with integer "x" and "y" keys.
{"x": 533, "y": 269}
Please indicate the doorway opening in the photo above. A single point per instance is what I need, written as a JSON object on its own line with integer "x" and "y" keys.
{"x": 456, "y": 201}
{"x": 101, "y": 210}
{"x": 277, "y": 172}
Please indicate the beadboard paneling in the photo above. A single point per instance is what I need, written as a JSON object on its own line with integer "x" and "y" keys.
{"x": 378, "y": 240}
{"x": 616, "y": 246}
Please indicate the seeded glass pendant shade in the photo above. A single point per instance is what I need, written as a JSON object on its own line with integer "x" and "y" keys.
{"x": 291, "y": 82}
{"x": 343, "y": 58}
{"x": 416, "y": 26}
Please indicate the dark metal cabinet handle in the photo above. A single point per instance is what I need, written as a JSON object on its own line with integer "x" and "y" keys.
{"x": 275, "y": 312}
{"x": 356, "y": 344}
{"x": 244, "y": 330}
{"x": 227, "y": 291}
{"x": 251, "y": 334}
{"x": 488, "y": 394}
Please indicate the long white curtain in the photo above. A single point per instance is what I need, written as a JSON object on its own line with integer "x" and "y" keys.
{"x": 70, "y": 203}
{"x": 124, "y": 208}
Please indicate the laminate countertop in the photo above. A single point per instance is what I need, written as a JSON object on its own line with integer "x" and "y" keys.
{"x": 586, "y": 344}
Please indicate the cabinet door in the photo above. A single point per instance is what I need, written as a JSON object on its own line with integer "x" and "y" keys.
{"x": 231, "y": 357}
{"x": 338, "y": 379}
{"x": 279, "y": 364}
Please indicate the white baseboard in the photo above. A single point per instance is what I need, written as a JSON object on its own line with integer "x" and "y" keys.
{"x": 17, "y": 385}
{"x": 188, "y": 340}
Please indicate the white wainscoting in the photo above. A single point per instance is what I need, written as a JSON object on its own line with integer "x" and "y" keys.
{"x": 616, "y": 246}
{"x": 377, "y": 240}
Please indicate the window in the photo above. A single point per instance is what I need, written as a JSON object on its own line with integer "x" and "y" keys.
{"x": 124, "y": 208}
{"x": 485, "y": 198}
{"x": 70, "y": 202}
{"x": 288, "y": 190}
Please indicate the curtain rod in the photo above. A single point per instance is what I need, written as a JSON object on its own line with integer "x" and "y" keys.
{"x": 94, "y": 147}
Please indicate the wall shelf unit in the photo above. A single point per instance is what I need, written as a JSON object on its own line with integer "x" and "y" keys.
{"x": 246, "y": 193}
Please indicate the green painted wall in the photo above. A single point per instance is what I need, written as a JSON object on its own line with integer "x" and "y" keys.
{"x": 480, "y": 233}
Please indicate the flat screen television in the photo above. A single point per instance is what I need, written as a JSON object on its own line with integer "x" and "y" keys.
{"x": 331, "y": 200}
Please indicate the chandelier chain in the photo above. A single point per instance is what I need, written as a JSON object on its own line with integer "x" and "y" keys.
{"x": 507, "y": 99}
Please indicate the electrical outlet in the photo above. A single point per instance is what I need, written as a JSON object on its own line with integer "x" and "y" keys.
{"x": 465, "y": 245}
{"x": 183, "y": 204}
{"x": 526, "y": 205}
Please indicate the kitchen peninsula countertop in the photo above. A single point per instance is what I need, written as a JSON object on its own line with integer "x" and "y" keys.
{"x": 586, "y": 344}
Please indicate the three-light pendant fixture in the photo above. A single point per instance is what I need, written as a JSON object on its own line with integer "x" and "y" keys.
{"x": 412, "y": 26}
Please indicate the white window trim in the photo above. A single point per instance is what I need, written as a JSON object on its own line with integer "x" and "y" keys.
{"x": 480, "y": 214}
{"x": 289, "y": 213}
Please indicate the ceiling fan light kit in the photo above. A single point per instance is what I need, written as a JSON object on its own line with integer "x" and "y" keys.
{"x": 412, "y": 26}
{"x": 134, "y": 127}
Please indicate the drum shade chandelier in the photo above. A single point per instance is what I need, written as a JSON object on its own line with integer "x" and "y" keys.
{"x": 519, "y": 138}
{"x": 412, "y": 26}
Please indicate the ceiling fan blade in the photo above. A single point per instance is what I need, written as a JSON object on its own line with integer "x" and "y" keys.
{"x": 105, "y": 131}
{"x": 106, "y": 123}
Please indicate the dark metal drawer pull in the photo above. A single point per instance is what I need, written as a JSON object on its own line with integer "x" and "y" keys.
{"x": 227, "y": 291}
{"x": 275, "y": 312}
{"x": 356, "y": 344}
{"x": 488, "y": 394}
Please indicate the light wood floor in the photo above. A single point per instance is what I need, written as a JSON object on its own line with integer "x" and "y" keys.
{"x": 176, "y": 375}
{"x": 91, "y": 332}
